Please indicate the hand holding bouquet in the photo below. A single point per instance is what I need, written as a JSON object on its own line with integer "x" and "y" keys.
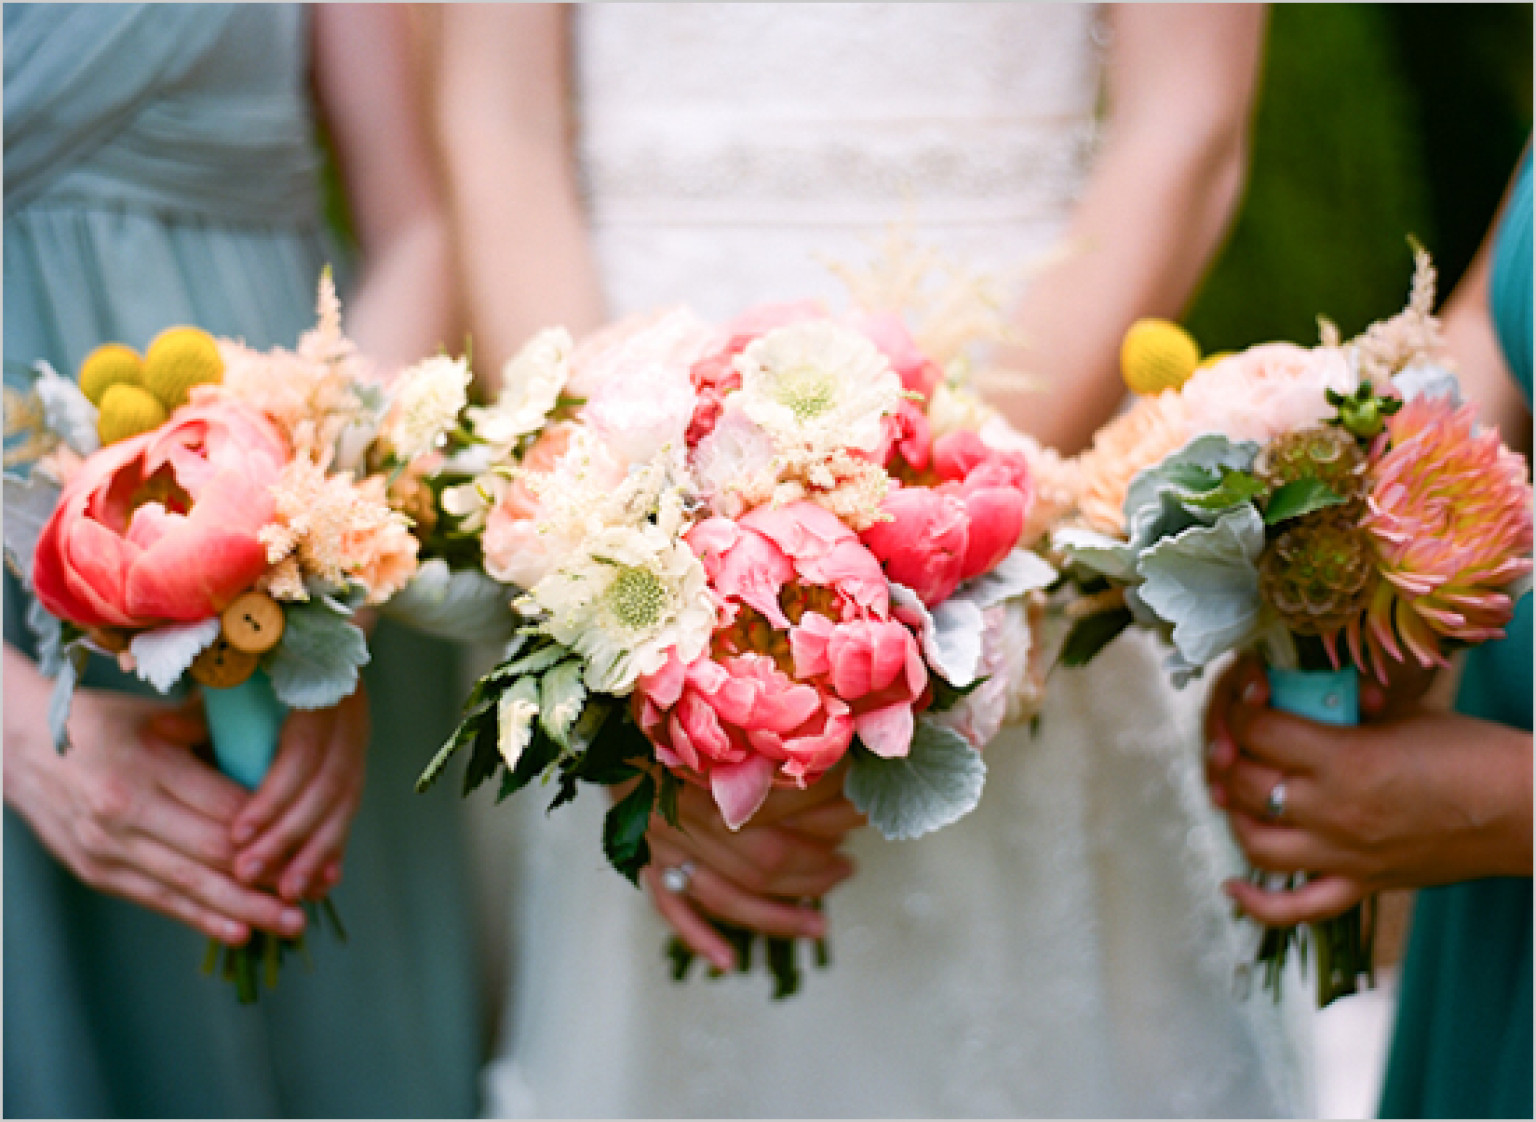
{"x": 217, "y": 514}
{"x": 1334, "y": 510}
{"x": 749, "y": 555}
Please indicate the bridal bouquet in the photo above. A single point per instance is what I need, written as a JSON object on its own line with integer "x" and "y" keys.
{"x": 216, "y": 514}
{"x": 746, "y": 556}
{"x": 1335, "y": 509}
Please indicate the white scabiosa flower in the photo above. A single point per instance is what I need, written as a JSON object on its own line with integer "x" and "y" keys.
{"x": 531, "y": 384}
{"x": 427, "y": 401}
{"x": 817, "y": 385}
{"x": 629, "y": 596}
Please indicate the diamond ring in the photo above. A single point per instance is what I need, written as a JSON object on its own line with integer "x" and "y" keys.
{"x": 1274, "y": 806}
{"x": 675, "y": 878}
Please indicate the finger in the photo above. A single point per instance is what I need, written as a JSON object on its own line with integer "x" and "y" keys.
{"x": 725, "y": 900}
{"x": 1284, "y": 741}
{"x": 1281, "y": 849}
{"x": 693, "y": 929}
{"x": 1248, "y": 785}
{"x": 194, "y": 835}
{"x": 768, "y": 861}
{"x": 304, "y": 874}
{"x": 1319, "y": 899}
{"x": 214, "y": 890}
{"x": 298, "y": 758}
{"x": 272, "y": 848}
{"x": 194, "y": 784}
{"x": 150, "y": 893}
{"x": 830, "y": 822}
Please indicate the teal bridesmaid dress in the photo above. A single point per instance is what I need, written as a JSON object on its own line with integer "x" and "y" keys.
{"x": 160, "y": 168}
{"x": 1462, "y": 1046}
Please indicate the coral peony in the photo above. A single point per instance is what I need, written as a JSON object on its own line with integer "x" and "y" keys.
{"x": 163, "y": 527}
{"x": 805, "y": 657}
{"x": 1449, "y": 510}
{"x": 937, "y": 537}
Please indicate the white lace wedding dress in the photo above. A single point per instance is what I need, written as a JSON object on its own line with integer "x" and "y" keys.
{"x": 1063, "y": 950}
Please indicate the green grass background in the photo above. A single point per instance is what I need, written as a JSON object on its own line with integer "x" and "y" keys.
{"x": 1373, "y": 122}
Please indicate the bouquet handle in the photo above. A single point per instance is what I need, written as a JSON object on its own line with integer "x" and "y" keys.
{"x": 1343, "y": 944}
{"x": 245, "y": 722}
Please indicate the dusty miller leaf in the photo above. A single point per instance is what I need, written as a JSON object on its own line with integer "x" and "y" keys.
{"x": 938, "y": 782}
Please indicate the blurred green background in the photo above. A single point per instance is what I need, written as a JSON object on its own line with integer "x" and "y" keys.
{"x": 1374, "y": 121}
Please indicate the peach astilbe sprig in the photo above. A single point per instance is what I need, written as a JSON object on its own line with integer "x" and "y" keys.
{"x": 1449, "y": 511}
{"x": 336, "y": 530}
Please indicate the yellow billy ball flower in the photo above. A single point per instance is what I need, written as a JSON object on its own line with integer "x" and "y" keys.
{"x": 178, "y": 359}
{"x": 109, "y": 365}
{"x": 127, "y": 411}
{"x": 1157, "y": 355}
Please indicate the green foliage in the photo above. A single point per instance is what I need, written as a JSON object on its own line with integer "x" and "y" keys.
{"x": 1301, "y": 496}
{"x": 624, "y": 829}
{"x": 1092, "y": 634}
{"x": 1373, "y": 121}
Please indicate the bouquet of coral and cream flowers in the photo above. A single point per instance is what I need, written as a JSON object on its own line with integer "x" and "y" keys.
{"x": 217, "y": 514}
{"x": 747, "y": 555}
{"x": 1335, "y": 509}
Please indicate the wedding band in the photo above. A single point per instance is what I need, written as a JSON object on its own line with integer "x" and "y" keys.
{"x": 675, "y": 878}
{"x": 1274, "y": 806}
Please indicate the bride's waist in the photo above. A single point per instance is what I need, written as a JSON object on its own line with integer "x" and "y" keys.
{"x": 816, "y": 177}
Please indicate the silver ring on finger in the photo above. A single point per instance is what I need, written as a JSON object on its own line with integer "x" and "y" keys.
{"x": 676, "y": 878}
{"x": 1274, "y": 805}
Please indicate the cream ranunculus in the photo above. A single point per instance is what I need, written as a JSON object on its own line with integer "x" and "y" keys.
{"x": 427, "y": 400}
{"x": 531, "y": 384}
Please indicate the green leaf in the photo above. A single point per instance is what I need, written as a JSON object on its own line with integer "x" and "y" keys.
{"x": 616, "y": 745}
{"x": 1092, "y": 634}
{"x": 1205, "y": 583}
{"x": 29, "y": 504}
{"x": 536, "y": 661}
{"x": 562, "y": 695}
{"x": 946, "y": 696}
{"x": 1298, "y": 497}
{"x": 666, "y": 798}
{"x": 462, "y": 606}
{"x": 316, "y": 664}
{"x": 485, "y": 757}
{"x": 540, "y": 753}
{"x": 624, "y": 829}
{"x": 1235, "y": 487}
{"x": 936, "y": 783}
{"x": 781, "y": 964}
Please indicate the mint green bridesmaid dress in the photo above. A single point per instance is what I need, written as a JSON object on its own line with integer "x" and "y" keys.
{"x": 1462, "y": 1045}
{"x": 160, "y": 168}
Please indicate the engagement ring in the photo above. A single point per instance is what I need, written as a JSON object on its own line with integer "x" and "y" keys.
{"x": 1274, "y": 806}
{"x": 675, "y": 879}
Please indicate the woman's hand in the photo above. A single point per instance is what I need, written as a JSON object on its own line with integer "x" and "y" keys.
{"x": 293, "y": 831}
{"x": 1423, "y": 799}
{"x": 754, "y": 876}
{"x": 129, "y": 809}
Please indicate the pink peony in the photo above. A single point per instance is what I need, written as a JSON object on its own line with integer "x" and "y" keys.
{"x": 888, "y": 332}
{"x": 1449, "y": 510}
{"x": 1266, "y": 391}
{"x": 806, "y": 656}
{"x": 940, "y": 536}
{"x": 164, "y": 526}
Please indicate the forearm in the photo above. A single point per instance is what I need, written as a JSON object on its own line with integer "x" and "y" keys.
{"x": 402, "y": 309}
{"x": 1180, "y": 81}
{"x": 1489, "y": 785}
{"x": 504, "y": 119}
{"x": 521, "y": 237}
{"x": 1140, "y": 241}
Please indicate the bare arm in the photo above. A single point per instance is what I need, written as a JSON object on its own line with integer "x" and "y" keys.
{"x": 1166, "y": 184}
{"x": 368, "y": 95}
{"x": 504, "y": 119}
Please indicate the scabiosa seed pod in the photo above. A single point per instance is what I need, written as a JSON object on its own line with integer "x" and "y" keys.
{"x": 1318, "y": 574}
{"x": 1324, "y": 452}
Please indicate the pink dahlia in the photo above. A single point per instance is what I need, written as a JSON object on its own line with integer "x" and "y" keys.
{"x": 1449, "y": 511}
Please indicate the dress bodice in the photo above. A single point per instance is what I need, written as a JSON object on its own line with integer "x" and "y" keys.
{"x": 725, "y": 146}
{"x": 192, "y": 109}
